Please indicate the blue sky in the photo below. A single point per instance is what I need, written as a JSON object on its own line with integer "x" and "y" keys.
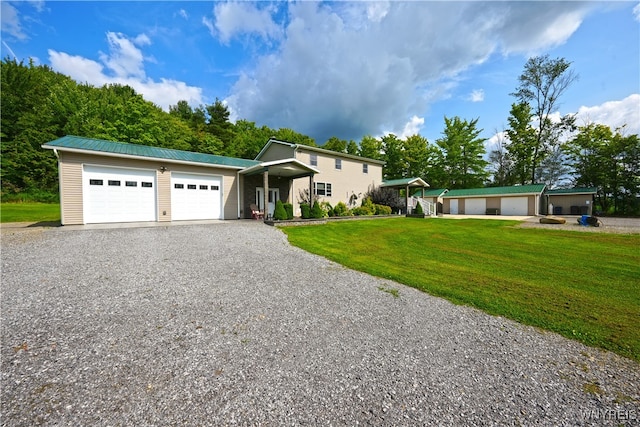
{"x": 342, "y": 69}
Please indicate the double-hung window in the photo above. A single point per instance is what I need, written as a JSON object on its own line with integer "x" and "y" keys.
{"x": 365, "y": 168}
{"x": 339, "y": 164}
{"x": 313, "y": 159}
{"x": 322, "y": 189}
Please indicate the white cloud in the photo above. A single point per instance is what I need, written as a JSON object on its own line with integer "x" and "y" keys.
{"x": 477, "y": 95}
{"x": 125, "y": 65}
{"x": 10, "y": 21}
{"x": 636, "y": 12}
{"x": 232, "y": 19}
{"x": 614, "y": 114}
{"x": 412, "y": 127}
{"x": 183, "y": 13}
{"x": 356, "y": 68}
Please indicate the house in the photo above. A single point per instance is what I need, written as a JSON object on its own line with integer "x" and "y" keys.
{"x": 339, "y": 177}
{"x": 570, "y": 201}
{"x": 105, "y": 181}
{"x": 523, "y": 200}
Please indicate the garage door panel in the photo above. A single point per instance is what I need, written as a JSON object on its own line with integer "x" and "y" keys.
{"x": 195, "y": 196}
{"x": 118, "y": 194}
{"x": 514, "y": 206}
{"x": 475, "y": 206}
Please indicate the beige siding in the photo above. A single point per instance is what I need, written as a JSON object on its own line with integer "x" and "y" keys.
{"x": 344, "y": 182}
{"x": 71, "y": 192}
{"x": 567, "y": 200}
{"x": 278, "y": 152}
{"x": 71, "y": 164}
{"x": 493, "y": 202}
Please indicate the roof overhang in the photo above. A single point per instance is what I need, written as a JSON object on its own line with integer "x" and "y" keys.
{"x": 404, "y": 183}
{"x": 285, "y": 168}
{"x": 134, "y": 157}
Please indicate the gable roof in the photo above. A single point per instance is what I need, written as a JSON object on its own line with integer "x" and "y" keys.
{"x": 122, "y": 149}
{"x": 577, "y": 190}
{"x": 297, "y": 147}
{"x": 403, "y": 182}
{"x": 496, "y": 191}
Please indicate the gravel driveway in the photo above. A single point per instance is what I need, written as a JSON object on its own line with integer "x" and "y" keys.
{"x": 226, "y": 324}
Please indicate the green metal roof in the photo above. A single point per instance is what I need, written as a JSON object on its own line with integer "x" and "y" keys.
{"x": 135, "y": 150}
{"x": 496, "y": 191}
{"x": 430, "y": 193}
{"x": 577, "y": 190}
{"x": 404, "y": 181}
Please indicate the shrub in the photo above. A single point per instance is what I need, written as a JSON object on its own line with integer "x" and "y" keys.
{"x": 316, "y": 211}
{"x": 367, "y": 208}
{"x": 306, "y": 210}
{"x": 341, "y": 210}
{"x": 279, "y": 213}
{"x": 382, "y": 209}
{"x": 288, "y": 207}
{"x": 327, "y": 210}
{"x": 387, "y": 197}
{"x": 418, "y": 210}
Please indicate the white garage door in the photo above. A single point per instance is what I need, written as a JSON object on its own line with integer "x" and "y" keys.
{"x": 453, "y": 206}
{"x": 514, "y": 206}
{"x": 118, "y": 194}
{"x": 475, "y": 206}
{"x": 195, "y": 196}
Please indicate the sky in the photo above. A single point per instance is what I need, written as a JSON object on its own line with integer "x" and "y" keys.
{"x": 345, "y": 69}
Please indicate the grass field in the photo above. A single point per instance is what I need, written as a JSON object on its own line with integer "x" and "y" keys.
{"x": 585, "y": 286}
{"x": 29, "y": 212}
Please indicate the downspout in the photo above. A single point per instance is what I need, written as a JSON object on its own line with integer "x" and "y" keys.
{"x": 238, "y": 191}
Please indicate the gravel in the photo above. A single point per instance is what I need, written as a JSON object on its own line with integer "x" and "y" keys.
{"x": 227, "y": 324}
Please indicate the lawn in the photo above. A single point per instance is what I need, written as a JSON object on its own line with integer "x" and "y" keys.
{"x": 29, "y": 212}
{"x": 585, "y": 286}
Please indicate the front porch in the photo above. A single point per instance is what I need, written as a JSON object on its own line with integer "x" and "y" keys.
{"x": 277, "y": 178}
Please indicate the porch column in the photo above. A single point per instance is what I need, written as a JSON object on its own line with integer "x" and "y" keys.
{"x": 311, "y": 190}
{"x": 406, "y": 199}
{"x": 265, "y": 184}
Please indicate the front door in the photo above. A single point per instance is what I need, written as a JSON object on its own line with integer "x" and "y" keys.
{"x": 274, "y": 194}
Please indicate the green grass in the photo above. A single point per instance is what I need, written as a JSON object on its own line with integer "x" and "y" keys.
{"x": 29, "y": 212}
{"x": 585, "y": 286}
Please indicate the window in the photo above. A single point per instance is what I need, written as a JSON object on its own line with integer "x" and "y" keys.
{"x": 179, "y": 186}
{"x": 147, "y": 184}
{"x": 339, "y": 164}
{"x": 204, "y": 187}
{"x": 322, "y": 189}
{"x": 365, "y": 168}
{"x": 131, "y": 183}
{"x": 313, "y": 159}
{"x": 95, "y": 182}
{"x": 114, "y": 183}
{"x": 191, "y": 186}
{"x": 215, "y": 187}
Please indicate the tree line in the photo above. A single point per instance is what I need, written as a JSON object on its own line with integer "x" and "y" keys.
{"x": 40, "y": 105}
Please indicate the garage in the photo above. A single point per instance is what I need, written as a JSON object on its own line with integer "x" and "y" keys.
{"x": 195, "y": 196}
{"x": 475, "y": 206}
{"x": 514, "y": 206}
{"x": 118, "y": 194}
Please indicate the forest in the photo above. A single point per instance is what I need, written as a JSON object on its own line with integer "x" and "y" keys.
{"x": 40, "y": 105}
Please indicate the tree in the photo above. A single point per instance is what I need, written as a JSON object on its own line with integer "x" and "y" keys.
{"x": 395, "y": 166}
{"x": 417, "y": 156}
{"x": 336, "y": 144}
{"x": 500, "y": 164}
{"x": 461, "y": 157}
{"x": 542, "y": 83}
{"x": 370, "y": 147}
{"x": 610, "y": 162}
{"x": 522, "y": 141}
{"x": 352, "y": 148}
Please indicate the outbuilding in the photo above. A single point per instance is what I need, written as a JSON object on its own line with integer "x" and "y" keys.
{"x": 571, "y": 201}
{"x": 517, "y": 200}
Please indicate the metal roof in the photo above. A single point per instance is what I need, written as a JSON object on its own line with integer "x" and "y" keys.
{"x": 332, "y": 153}
{"x": 577, "y": 190}
{"x": 80, "y": 144}
{"x": 435, "y": 192}
{"x": 496, "y": 191}
{"x": 403, "y": 182}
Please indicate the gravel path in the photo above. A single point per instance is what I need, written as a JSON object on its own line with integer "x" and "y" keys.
{"x": 226, "y": 324}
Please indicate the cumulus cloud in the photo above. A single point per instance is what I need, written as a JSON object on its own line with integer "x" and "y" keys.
{"x": 233, "y": 19}
{"x": 183, "y": 13}
{"x": 615, "y": 114}
{"x": 124, "y": 64}
{"x": 412, "y": 127}
{"x": 477, "y": 95}
{"x": 636, "y": 12}
{"x": 356, "y": 68}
